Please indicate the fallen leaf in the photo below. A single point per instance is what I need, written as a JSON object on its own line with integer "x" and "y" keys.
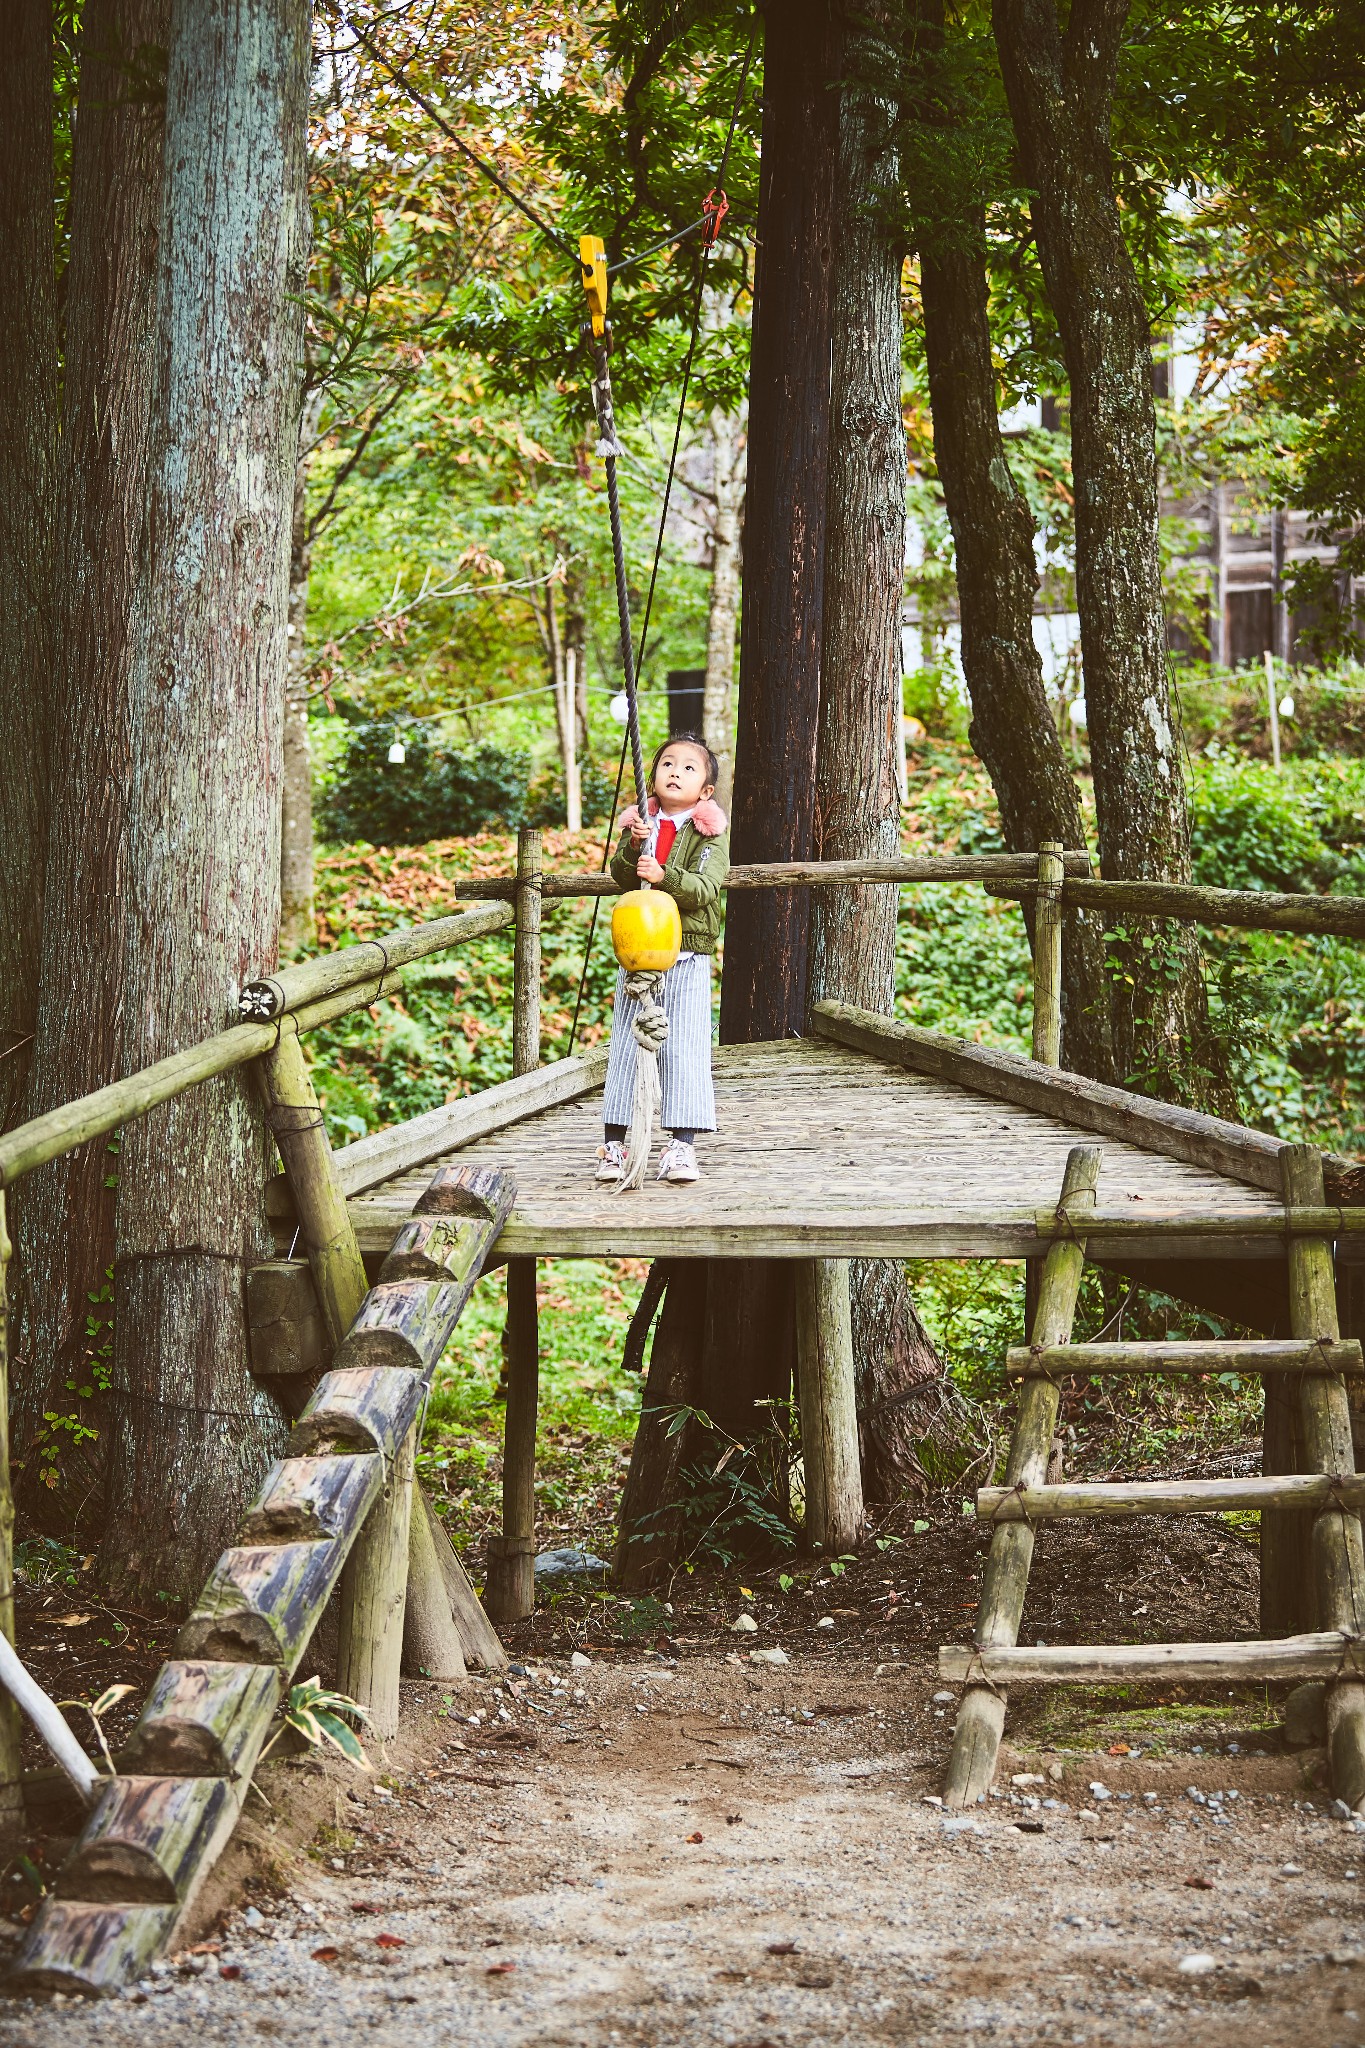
{"x": 1200, "y": 1884}
{"x": 68, "y": 1620}
{"x": 1119, "y": 1749}
{"x": 733, "y": 1819}
{"x": 325, "y": 1955}
{"x": 390, "y": 1941}
{"x": 207, "y": 1948}
{"x": 365, "y": 1906}
{"x": 815, "y": 1983}
{"x": 781, "y": 1948}
{"x": 232, "y": 1971}
{"x": 696, "y": 1838}
{"x": 499, "y": 1969}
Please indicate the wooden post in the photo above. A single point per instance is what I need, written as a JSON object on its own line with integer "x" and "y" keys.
{"x": 981, "y": 1716}
{"x": 1047, "y": 956}
{"x": 526, "y": 977}
{"x": 829, "y": 1419}
{"x": 373, "y": 1598}
{"x": 319, "y": 1201}
{"x": 1338, "y": 1553}
{"x": 510, "y": 1592}
{"x": 11, "y": 1780}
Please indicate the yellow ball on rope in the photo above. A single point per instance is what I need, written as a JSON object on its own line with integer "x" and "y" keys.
{"x": 646, "y": 931}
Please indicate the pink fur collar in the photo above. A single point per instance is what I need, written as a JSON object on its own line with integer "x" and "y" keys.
{"x": 709, "y": 818}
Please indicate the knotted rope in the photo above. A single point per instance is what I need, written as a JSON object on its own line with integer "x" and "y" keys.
{"x": 650, "y": 1027}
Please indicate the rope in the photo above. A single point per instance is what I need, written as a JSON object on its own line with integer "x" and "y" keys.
{"x": 663, "y": 522}
{"x": 650, "y": 1029}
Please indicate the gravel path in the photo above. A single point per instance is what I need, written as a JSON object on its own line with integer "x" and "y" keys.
{"x": 730, "y": 1853}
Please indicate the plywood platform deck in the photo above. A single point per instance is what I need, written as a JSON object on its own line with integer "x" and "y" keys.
{"x": 825, "y": 1150}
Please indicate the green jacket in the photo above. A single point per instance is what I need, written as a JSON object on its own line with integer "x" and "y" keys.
{"x": 694, "y": 873}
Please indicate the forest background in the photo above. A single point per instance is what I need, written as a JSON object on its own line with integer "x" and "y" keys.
{"x": 451, "y": 657}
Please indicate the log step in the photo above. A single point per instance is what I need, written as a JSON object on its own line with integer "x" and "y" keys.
{"x": 73, "y": 1946}
{"x": 1091, "y": 1360}
{"x": 145, "y": 1841}
{"x": 203, "y": 1720}
{"x": 1125, "y": 1499}
{"x": 1327, "y": 1655}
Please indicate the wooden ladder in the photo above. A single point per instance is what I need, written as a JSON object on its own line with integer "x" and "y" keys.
{"x": 1315, "y": 1361}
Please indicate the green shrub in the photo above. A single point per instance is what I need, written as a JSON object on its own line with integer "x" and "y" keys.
{"x": 1297, "y": 829}
{"x": 437, "y": 792}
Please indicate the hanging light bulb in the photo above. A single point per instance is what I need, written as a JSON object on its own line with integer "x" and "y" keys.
{"x": 619, "y": 707}
{"x": 1286, "y": 707}
{"x": 1075, "y": 711}
{"x": 398, "y": 754}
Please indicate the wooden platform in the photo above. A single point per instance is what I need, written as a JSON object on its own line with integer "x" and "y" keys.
{"x": 828, "y": 1150}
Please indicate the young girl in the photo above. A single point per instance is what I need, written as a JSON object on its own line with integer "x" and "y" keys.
{"x": 682, "y": 847}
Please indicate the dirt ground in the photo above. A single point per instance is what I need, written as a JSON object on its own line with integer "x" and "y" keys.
{"x": 680, "y": 1842}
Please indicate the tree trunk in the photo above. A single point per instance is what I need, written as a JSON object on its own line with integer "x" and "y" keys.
{"x": 750, "y": 1350}
{"x": 65, "y": 1212}
{"x": 296, "y": 818}
{"x": 207, "y": 698}
{"x": 727, "y": 490}
{"x": 1012, "y": 728}
{"x": 1060, "y": 89}
{"x": 767, "y": 930}
{"x": 562, "y": 659}
{"x": 28, "y": 461}
{"x": 853, "y": 931}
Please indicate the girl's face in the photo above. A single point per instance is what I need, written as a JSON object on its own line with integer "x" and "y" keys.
{"x": 681, "y": 777}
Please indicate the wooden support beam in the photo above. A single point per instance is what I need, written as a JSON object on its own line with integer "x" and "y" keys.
{"x": 479, "y": 1639}
{"x": 432, "y": 1644}
{"x": 288, "y": 1336}
{"x": 1325, "y": 1419}
{"x": 18, "y": 1684}
{"x": 319, "y": 1200}
{"x": 1252, "y": 1355}
{"x": 1128, "y": 1499}
{"x": 800, "y": 874}
{"x": 511, "y": 1592}
{"x": 374, "y": 1587}
{"x": 1159, "y": 1126}
{"x": 1325, "y": 1655}
{"x": 981, "y": 1714}
{"x": 829, "y": 1415}
{"x": 526, "y": 969}
{"x": 1047, "y": 956}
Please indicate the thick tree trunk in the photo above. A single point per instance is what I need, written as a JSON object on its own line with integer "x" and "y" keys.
{"x": 1060, "y": 89}
{"x": 28, "y": 460}
{"x": 750, "y": 1354}
{"x": 727, "y": 438}
{"x": 1012, "y": 728}
{"x": 767, "y": 930}
{"x": 853, "y": 931}
{"x": 192, "y": 1428}
{"x": 65, "y": 1213}
{"x": 296, "y": 815}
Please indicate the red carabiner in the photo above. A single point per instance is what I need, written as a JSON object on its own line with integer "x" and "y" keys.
{"x": 713, "y": 213}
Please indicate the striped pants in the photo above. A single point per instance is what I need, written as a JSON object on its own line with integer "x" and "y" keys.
{"x": 689, "y": 1102}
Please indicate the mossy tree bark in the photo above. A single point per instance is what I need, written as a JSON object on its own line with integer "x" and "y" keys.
{"x": 64, "y": 1214}
{"x": 1060, "y": 85}
{"x": 191, "y": 1426}
{"x": 853, "y": 930}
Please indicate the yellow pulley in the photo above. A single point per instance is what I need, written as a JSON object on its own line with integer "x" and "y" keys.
{"x": 646, "y": 931}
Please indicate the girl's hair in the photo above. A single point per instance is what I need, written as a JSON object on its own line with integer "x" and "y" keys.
{"x": 686, "y": 739}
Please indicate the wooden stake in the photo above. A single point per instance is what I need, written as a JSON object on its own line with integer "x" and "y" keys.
{"x": 11, "y": 1786}
{"x": 319, "y": 1200}
{"x": 373, "y": 1596}
{"x": 1047, "y": 956}
{"x": 1338, "y": 1554}
{"x": 526, "y": 979}
{"x": 829, "y": 1419}
{"x": 510, "y": 1592}
{"x": 981, "y": 1716}
{"x": 431, "y": 1642}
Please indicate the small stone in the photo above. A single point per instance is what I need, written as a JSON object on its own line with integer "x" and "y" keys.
{"x": 1291, "y": 1870}
{"x": 569, "y": 1564}
{"x": 944, "y": 1699}
{"x": 1200, "y": 1964}
{"x": 1086, "y": 1813}
{"x": 825, "y": 1621}
{"x": 1099, "y": 1792}
{"x": 1305, "y": 1716}
{"x": 1342, "y": 1810}
{"x": 773, "y": 1656}
{"x": 1028, "y": 1778}
{"x": 744, "y": 1625}
{"x": 578, "y": 1662}
{"x": 251, "y": 1918}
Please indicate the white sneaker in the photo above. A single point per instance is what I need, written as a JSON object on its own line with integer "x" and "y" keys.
{"x": 611, "y": 1159}
{"x": 679, "y": 1163}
